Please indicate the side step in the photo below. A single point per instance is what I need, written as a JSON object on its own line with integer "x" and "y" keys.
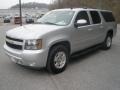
{"x": 85, "y": 51}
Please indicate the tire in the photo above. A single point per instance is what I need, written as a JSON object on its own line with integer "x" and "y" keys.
{"x": 108, "y": 42}
{"x": 57, "y": 59}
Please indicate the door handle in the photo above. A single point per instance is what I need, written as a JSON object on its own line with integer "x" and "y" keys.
{"x": 90, "y": 29}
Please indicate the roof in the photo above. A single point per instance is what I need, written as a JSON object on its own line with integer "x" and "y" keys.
{"x": 78, "y": 9}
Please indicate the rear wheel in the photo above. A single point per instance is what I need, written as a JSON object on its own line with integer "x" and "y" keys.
{"x": 108, "y": 42}
{"x": 57, "y": 59}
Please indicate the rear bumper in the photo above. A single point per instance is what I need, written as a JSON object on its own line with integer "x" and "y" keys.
{"x": 31, "y": 58}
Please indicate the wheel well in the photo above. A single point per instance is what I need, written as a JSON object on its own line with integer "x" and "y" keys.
{"x": 65, "y": 43}
{"x": 110, "y": 32}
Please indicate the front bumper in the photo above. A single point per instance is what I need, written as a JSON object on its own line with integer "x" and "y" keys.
{"x": 31, "y": 58}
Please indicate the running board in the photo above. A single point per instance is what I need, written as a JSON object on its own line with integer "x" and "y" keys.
{"x": 85, "y": 51}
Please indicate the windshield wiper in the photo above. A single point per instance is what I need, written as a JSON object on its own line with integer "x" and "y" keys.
{"x": 49, "y": 23}
{"x": 45, "y": 23}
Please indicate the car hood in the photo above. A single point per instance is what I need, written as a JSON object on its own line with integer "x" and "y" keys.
{"x": 31, "y": 31}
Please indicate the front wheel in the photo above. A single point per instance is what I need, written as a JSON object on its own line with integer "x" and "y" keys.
{"x": 108, "y": 42}
{"x": 57, "y": 59}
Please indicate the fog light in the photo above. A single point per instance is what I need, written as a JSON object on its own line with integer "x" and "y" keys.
{"x": 32, "y": 64}
{"x": 20, "y": 62}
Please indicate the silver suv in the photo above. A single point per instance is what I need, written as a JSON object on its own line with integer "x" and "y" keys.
{"x": 58, "y": 35}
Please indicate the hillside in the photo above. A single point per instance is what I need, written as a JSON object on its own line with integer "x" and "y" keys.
{"x": 32, "y": 5}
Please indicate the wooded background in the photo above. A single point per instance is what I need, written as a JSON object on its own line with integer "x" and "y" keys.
{"x": 113, "y": 5}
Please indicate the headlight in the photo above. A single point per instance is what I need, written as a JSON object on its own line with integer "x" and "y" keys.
{"x": 33, "y": 44}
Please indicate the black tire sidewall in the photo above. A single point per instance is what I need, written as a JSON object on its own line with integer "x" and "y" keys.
{"x": 50, "y": 65}
{"x": 105, "y": 47}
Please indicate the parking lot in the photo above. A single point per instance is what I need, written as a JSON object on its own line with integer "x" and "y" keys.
{"x": 98, "y": 70}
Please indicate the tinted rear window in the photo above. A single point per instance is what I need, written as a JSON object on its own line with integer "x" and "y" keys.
{"x": 108, "y": 16}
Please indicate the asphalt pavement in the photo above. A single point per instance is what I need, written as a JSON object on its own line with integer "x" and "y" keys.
{"x": 98, "y": 70}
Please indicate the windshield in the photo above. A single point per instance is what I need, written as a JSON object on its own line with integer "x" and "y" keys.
{"x": 62, "y": 18}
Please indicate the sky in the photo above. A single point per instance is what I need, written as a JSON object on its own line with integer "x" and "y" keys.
{"x": 4, "y": 4}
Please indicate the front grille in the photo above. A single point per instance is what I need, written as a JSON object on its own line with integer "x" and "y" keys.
{"x": 19, "y": 47}
{"x": 19, "y": 40}
{"x": 14, "y": 43}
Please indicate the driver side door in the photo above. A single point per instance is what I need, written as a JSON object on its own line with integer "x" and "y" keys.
{"x": 83, "y": 32}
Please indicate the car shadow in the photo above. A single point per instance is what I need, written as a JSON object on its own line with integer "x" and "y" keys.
{"x": 79, "y": 57}
{"x": 28, "y": 70}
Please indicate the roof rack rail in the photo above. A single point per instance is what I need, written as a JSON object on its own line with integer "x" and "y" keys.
{"x": 85, "y": 7}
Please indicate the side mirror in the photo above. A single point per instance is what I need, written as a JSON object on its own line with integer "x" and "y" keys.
{"x": 81, "y": 22}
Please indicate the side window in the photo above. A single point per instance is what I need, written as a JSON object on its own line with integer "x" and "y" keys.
{"x": 83, "y": 15}
{"x": 108, "y": 16}
{"x": 95, "y": 17}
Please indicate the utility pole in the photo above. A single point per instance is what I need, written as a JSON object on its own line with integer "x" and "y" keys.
{"x": 20, "y": 12}
{"x": 99, "y": 4}
{"x": 59, "y": 4}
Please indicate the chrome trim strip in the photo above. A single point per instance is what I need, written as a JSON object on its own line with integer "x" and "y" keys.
{"x": 14, "y": 42}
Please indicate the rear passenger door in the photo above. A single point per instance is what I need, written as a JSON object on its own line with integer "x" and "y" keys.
{"x": 97, "y": 28}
